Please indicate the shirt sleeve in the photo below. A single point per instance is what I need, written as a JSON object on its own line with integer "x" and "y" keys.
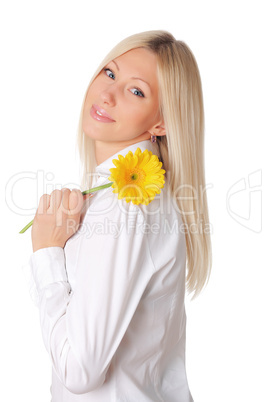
{"x": 83, "y": 326}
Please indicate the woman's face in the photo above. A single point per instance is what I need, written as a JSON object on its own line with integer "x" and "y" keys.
{"x": 127, "y": 91}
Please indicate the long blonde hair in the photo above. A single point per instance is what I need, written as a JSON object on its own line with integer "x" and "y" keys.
{"x": 181, "y": 150}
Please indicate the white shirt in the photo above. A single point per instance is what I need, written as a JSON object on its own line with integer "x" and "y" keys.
{"x": 111, "y": 302}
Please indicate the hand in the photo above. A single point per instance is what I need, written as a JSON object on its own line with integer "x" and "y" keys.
{"x": 57, "y": 218}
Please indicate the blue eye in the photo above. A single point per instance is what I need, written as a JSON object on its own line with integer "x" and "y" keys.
{"x": 138, "y": 92}
{"x": 108, "y": 69}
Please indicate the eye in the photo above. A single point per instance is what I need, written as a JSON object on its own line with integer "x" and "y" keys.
{"x": 138, "y": 92}
{"x": 109, "y": 75}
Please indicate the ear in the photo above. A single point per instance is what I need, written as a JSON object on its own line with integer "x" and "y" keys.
{"x": 158, "y": 129}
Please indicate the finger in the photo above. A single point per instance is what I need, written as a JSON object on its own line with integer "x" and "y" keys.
{"x": 55, "y": 201}
{"x": 43, "y": 203}
{"x": 75, "y": 202}
{"x": 65, "y": 200}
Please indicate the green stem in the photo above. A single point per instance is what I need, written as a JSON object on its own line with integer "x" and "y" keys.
{"x": 91, "y": 190}
{"x": 26, "y": 227}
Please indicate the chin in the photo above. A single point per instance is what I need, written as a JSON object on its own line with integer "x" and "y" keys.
{"x": 94, "y": 135}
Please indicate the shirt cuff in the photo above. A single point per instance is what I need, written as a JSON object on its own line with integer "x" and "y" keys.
{"x": 48, "y": 266}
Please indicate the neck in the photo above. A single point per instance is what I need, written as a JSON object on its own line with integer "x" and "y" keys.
{"x": 104, "y": 150}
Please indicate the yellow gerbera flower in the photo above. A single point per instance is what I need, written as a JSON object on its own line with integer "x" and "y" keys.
{"x": 137, "y": 177}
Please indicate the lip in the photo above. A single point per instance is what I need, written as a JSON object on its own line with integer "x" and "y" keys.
{"x": 105, "y": 118}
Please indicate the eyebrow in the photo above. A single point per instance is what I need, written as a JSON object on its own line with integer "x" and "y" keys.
{"x": 134, "y": 78}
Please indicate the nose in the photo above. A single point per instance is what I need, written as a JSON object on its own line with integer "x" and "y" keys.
{"x": 108, "y": 96}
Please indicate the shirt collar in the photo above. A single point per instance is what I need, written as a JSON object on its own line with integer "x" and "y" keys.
{"x": 103, "y": 168}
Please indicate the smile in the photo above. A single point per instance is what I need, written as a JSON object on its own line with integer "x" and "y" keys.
{"x": 100, "y": 115}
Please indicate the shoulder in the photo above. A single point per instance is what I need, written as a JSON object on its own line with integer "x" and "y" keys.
{"x": 105, "y": 204}
{"x": 163, "y": 210}
{"x": 160, "y": 220}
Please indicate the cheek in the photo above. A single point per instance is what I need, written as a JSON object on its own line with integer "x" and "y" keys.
{"x": 139, "y": 115}
{"x": 89, "y": 94}
{"x": 92, "y": 90}
{"x": 144, "y": 118}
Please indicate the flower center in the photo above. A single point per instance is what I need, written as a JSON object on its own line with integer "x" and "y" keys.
{"x": 136, "y": 176}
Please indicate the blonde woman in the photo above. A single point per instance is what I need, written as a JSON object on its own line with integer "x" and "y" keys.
{"x": 110, "y": 287}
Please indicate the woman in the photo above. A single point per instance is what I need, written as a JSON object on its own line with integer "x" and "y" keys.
{"x": 110, "y": 275}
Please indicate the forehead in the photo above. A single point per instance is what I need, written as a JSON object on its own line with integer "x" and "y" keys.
{"x": 140, "y": 57}
{"x": 139, "y": 62}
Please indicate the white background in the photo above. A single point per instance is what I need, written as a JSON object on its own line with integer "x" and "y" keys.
{"x": 49, "y": 51}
